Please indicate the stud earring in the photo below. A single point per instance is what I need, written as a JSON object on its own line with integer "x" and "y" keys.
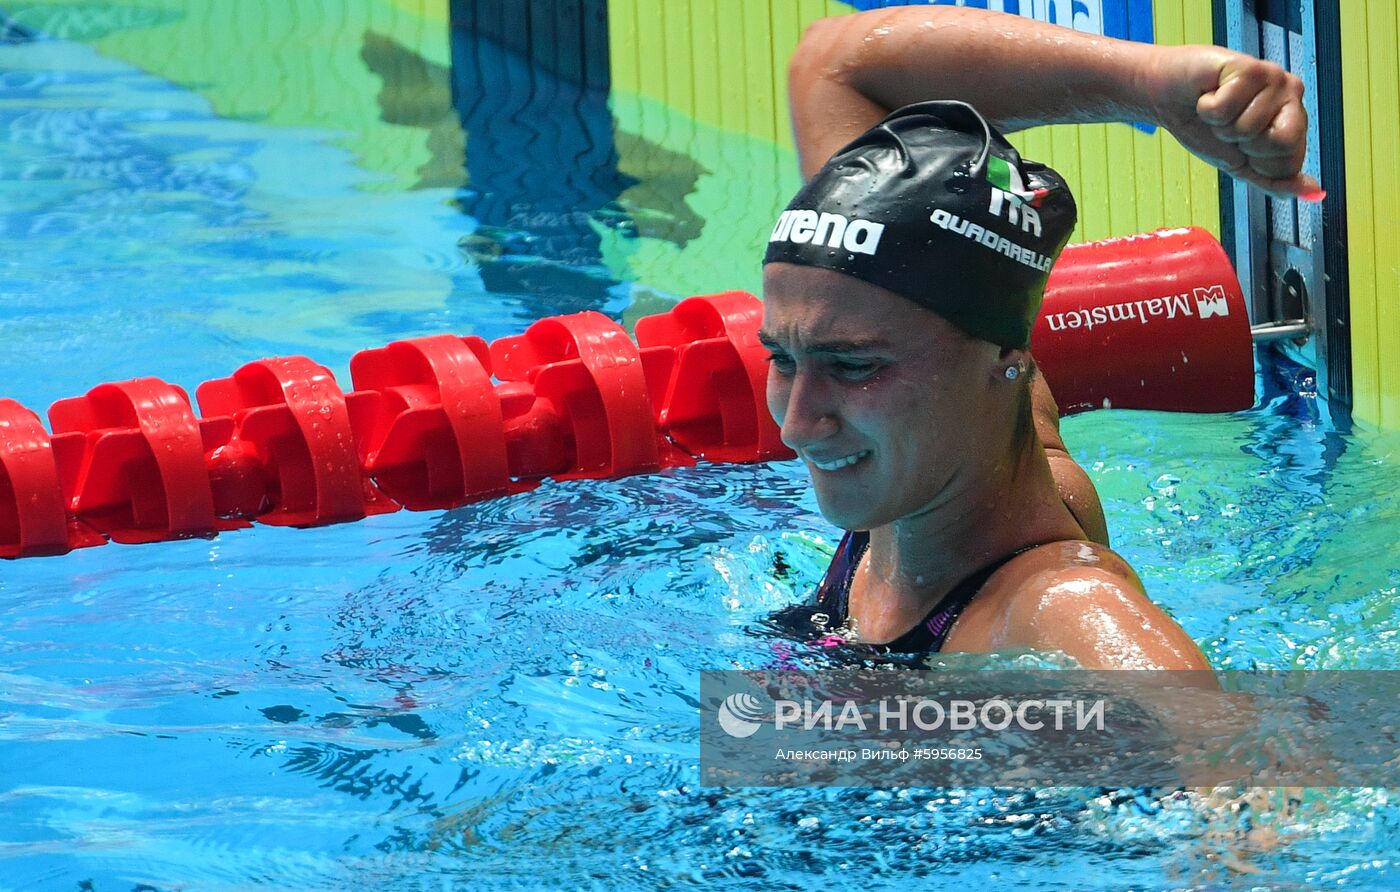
{"x": 1013, "y": 372}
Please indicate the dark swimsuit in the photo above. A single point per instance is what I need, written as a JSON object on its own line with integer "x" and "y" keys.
{"x": 833, "y": 597}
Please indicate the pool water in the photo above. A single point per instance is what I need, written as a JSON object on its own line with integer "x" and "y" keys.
{"x": 505, "y": 695}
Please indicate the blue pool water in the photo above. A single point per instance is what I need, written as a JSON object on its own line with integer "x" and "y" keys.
{"x": 504, "y": 695}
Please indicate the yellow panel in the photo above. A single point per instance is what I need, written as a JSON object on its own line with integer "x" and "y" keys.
{"x": 1095, "y": 183}
{"x": 1356, "y": 113}
{"x": 1388, "y": 259}
{"x": 722, "y": 54}
{"x": 785, "y": 30}
{"x": 1204, "y": 179}
{"x": 675, "y": 19}
{"x": 1120, "y": 143}
{"x": 705, "y": 60}
{"x": 730, "y": 68}
{"x": 1147, "y": 182}
{"x": 1370, "y": 97}
{"x": 1064, "y": 157}
{"x": 1385, "y": 181}
{"x": 651, "y": 55}
{"x": 1176, "y": 178}
{"x": 1034, "y": 144}
{"x": 624, "y": 58}
{"x": 622, "y": 45}
{"x": 761, "y": 100}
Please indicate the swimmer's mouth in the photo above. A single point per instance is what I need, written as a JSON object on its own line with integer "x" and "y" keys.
{"x": 838, "y": 464}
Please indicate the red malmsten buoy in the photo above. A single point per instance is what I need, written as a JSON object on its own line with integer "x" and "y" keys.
{"x": 1154, "y": 321}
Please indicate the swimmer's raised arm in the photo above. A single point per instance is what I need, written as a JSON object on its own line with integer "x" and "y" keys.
{"x": 1240, "y": 114}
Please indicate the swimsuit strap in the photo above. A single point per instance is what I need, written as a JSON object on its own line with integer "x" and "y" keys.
{"x": 833, "y": 596}
{"x": 929, "y": 635}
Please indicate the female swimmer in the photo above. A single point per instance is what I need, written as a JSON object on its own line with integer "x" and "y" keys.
{"x": 900, "y": 286}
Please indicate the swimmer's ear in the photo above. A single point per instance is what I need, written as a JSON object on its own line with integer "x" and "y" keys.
{"x": 1013, "y": 364}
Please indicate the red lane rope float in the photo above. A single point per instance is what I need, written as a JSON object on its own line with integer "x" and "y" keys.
{"x": 33, "y": 520}
{"x": 291, "y": 431}
{"x": 434, "y": 436}
{"x": 590, "y": 373}
{"x": 131, "y": 459}
{"x": 1147, "y": 322}
{"x": 711, "y": 408}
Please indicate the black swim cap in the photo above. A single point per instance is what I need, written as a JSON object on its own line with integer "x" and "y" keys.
{"x": 935, "y": 205}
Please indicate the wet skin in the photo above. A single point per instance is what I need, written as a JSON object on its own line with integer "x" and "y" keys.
{"x": 859, "y": 374}
{"x": 908, "y": 429}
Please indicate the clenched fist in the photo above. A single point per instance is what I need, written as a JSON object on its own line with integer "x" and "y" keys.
{"x": 1241, "y": 114}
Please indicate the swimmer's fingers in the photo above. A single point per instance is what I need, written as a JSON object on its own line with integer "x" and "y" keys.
{"x": 1243, "y": 167}
{"x": 1256, "y": 112}
{"x": 1299, "y": 186}
{"x": 1261, "y": 111}
{"x": 1241, "y": 114}
{"x": 1276, "y": 150}
{"x": 1247, "y": 94}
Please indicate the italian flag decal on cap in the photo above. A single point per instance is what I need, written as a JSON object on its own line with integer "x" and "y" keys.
{"x": 1002, "y": 175}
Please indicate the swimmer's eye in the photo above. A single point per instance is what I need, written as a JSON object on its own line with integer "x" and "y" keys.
{"x": 854, "y": 371}
{"x": 782, "y": 363}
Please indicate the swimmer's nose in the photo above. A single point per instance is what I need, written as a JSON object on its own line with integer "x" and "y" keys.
{"x": 809, "y": 416}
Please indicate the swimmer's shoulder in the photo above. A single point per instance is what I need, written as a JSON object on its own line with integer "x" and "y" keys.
{"x": 1080, "y": 598}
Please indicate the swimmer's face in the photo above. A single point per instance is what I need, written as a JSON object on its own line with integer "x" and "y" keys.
{"x": 884, "y": 401}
